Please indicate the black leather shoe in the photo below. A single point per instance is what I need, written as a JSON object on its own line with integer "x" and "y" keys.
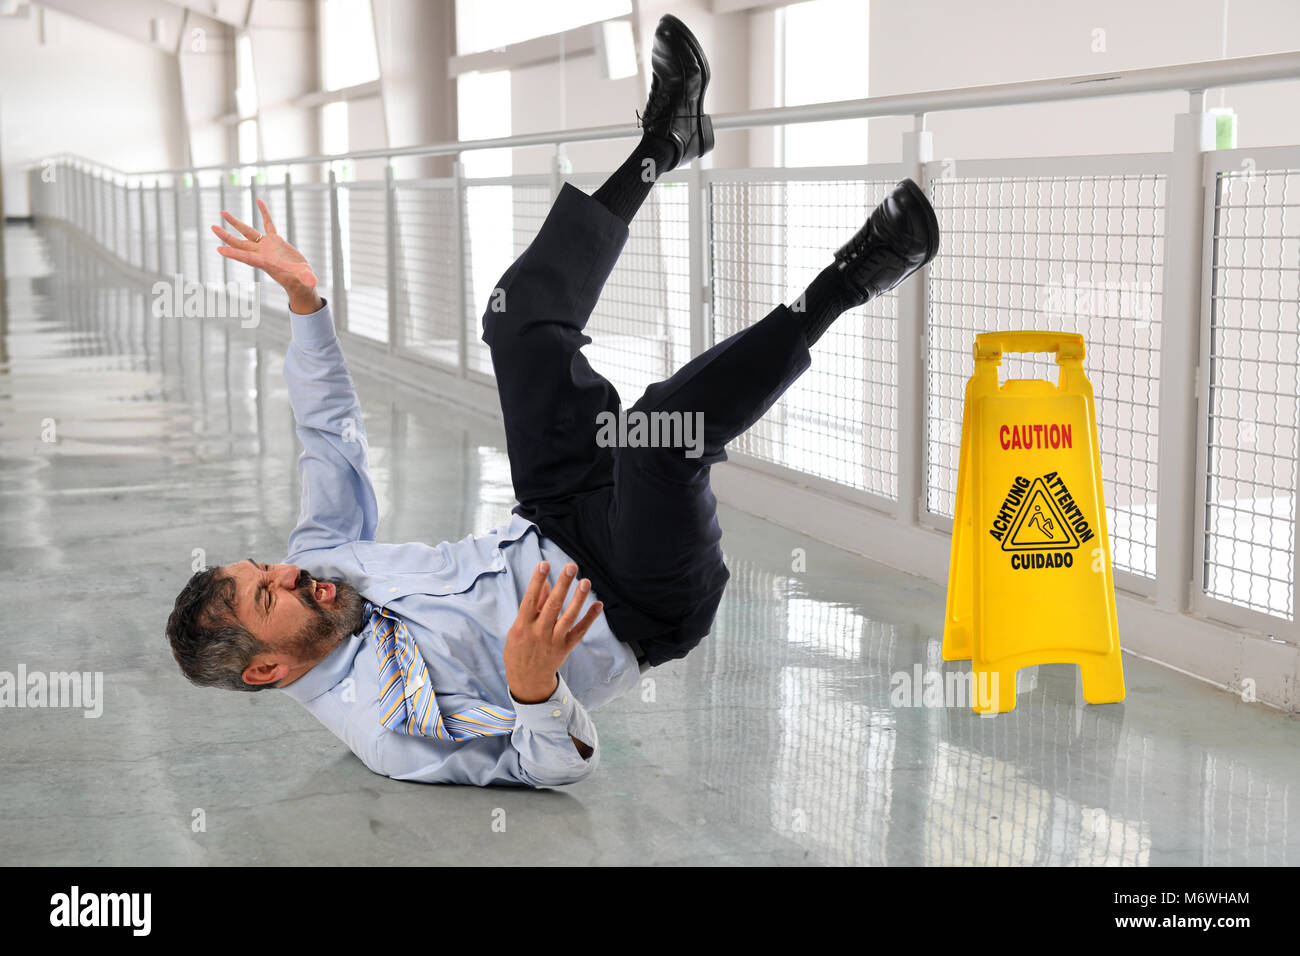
{"x": 675, "y": 108}
{"x": 899, "y": 237}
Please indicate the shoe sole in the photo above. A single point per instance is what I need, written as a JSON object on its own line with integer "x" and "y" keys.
{"x": 705, "y": 124}
{"x": 932, "y": 221}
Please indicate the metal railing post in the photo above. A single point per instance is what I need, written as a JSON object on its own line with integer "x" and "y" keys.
{"x": 390, "y": 253}
{"x": 111, "y": 232}
{"x": 460, "y": 237}
{"x": 558, "y": 164}
{"x": 699, "y": 268}
{"x": 340, "y": 309}
{"x": 1177, "y": 474}
{"x": 176, "y": 222}
{"x": 198, "y": 219}
{"x": 909, "y": 332}
{"x": 92, "y": 190}
{"x": 158, "y": 219}
{"x": 221, "y": 204}
{"x": 290, "y": 226}
{"x": 260, "y": 226}
{"x": 121, "y": 223}
{"x": 144, "y": 234}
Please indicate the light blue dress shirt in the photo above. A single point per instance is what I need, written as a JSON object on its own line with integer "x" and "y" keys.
{"x": 458, "y": 601}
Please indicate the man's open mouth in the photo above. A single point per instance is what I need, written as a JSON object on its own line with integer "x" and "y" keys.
{"x": 316, "y": 592}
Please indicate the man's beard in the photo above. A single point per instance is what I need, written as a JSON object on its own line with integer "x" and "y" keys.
{"x": 328, "y": 626}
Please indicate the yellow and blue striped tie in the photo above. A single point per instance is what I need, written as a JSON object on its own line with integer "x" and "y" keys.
{"x": 406, "y": 696}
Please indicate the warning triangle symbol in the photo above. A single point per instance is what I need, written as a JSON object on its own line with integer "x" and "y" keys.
{"x": 1039, "y": 524}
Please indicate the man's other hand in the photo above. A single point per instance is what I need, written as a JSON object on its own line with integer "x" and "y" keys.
{"x": 542, "y": 637}
{"x": 270, "y": 253}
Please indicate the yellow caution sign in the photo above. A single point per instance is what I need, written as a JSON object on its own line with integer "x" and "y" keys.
{"x": 1030, "y": 579}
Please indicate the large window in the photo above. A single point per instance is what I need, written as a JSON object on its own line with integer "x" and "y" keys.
{"x": 246, "y": 101}
{"x": 348, "y": 53}
{"x": 825, "y": 43}
{"x": 492, "y": 24}
{"x": 334, "y": 135}
{"x": 484, "y": 112}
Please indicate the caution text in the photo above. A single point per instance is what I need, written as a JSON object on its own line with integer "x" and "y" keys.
{"x": 1016, "y": 437}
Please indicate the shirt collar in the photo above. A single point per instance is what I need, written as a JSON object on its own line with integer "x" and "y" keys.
{"x": 327, "y": 674}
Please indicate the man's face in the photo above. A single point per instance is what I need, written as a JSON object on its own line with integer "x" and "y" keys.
{"x": 286, "y": 609}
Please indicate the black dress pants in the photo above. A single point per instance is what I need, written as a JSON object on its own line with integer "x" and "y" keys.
{"x": 640, "y": 522}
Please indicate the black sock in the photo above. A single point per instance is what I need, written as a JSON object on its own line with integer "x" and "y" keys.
{"x": 629, "y": 185}
{"x": 825, "y": 299}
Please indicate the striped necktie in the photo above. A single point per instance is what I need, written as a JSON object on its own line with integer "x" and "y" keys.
{"x": 406, "y": 697}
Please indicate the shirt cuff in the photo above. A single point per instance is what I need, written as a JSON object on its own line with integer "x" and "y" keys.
{"x": 315, "y": 330}
{"x": 561, "y": 713}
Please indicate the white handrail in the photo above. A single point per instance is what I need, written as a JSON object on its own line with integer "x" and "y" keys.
{"x": 1192, "y": 77}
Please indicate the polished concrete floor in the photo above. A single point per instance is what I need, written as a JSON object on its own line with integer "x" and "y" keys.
{"x": 777, "y": 741}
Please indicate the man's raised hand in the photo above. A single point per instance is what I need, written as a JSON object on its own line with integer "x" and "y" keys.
{"x": 274, "y": 256}
{"x": 545, "y": 632}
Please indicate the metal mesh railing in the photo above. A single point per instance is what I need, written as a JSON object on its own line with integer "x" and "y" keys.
{"x": 275, "y": 196}
{"x": 769, "y": 240}
{"x": 1079, "y": 253}
{"x": 149, "y": 230}
{"x": 167, "y": 261}
{"x": 312, "y": 231}
{"x": 428, "y": 296}
{"x": 1069, "y": 243}
{"x": 640, "y": 328}
{"x": 500, "y": 221}
{"x": 133, "y": 237}
{"x": 210, "y": 205}
{"x": 363, "y": 221}
{"x": 191, "y": 237}
{"x": 120, "y": 222}
{"x": 1254, "y": 391}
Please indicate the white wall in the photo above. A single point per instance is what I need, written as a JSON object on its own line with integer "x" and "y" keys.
{"x": 944, "y": 44}
{"x": 86, "y": 91}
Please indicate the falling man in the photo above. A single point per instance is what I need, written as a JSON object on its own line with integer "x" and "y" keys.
{"x": 479, "y": 661}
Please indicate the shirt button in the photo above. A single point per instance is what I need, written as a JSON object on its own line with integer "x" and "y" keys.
{"x": 446, "y": 587}
{"x": 392, "y": 590}
{"x": 564, "y": 699}
{"x": 557, "y": 712}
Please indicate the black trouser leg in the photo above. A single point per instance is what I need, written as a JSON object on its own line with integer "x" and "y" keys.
{"x": 550, "y": 395}
{"x": 640, "y": 522}
{"x": 664, "y": 541}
